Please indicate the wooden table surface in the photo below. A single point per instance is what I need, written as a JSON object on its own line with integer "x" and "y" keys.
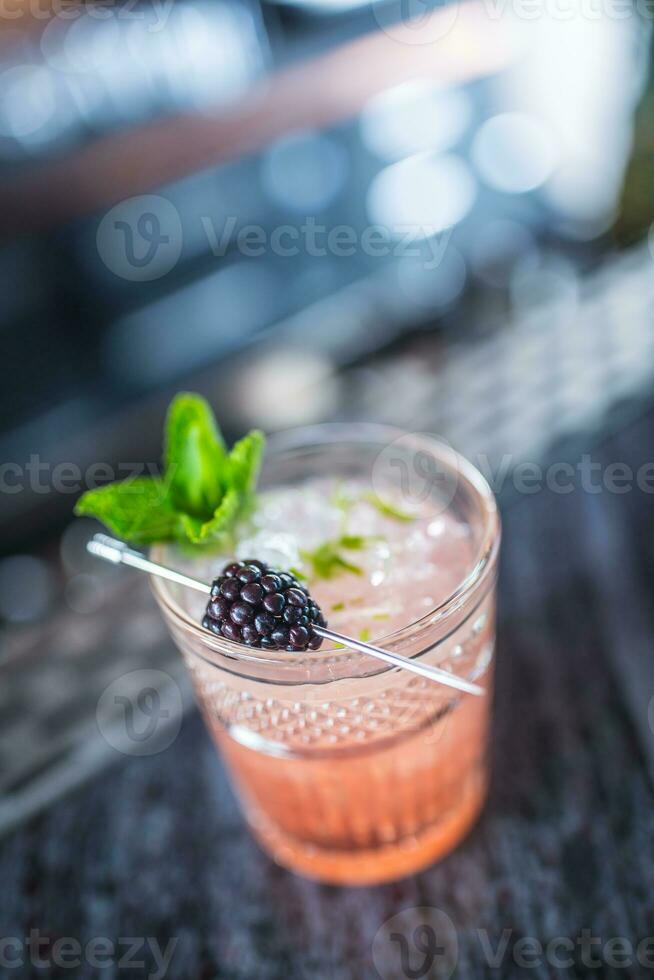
{"x": 564, "y": 852}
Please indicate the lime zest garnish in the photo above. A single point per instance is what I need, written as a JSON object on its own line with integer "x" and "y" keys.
{"x": 340, "y": 498}
{"x": 327, "y": 561}
{"x": 388, "y": 509}
{"x": 364, "y": 634}
{"x": 205, "y": 490}
{"x": 338, "y": 606}
{"x": 357, "y": 542}
{"x": 343, "y": 501}
{"x": 381, "y": 616}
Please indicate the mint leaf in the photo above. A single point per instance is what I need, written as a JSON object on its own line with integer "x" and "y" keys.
{"x": 195, "y": 457}
{"x": 136, "y": 510}
{"x": 219, "y": 523}
{"x": 244, "y": 462}
{"x": 388, "y": 509}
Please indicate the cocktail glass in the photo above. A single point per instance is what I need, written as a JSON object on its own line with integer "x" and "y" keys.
{"x": 348, "y": 771}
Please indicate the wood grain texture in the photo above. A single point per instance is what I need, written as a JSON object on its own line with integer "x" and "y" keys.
{"x": 156, "y": 847}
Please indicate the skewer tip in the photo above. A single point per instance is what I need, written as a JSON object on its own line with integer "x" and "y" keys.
{"x": 105, "y": 547}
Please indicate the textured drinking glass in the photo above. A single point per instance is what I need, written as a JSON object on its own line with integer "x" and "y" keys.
{"x": 348, "y": 771}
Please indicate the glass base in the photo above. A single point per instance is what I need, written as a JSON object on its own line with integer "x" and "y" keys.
{"x": 373, "y": 866}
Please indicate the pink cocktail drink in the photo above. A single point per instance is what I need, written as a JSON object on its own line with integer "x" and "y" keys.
{"x": 348, "y": 771}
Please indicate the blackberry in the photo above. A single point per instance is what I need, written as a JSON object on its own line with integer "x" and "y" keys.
{"x": 263, "y": 607}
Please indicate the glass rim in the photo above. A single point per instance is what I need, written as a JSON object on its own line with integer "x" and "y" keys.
{"x": 471, "y": 585}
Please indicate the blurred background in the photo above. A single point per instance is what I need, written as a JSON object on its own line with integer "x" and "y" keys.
{"x": 435, "y": 215}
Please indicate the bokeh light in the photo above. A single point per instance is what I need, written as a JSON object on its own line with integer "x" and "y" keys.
{"x": 27, "y": 101}
{"x": 287, "y": 387}
{"x": 514, "y": 152}
{"x": 418, "y": 115}
{"x": 304, "y": 171}
{"x": 426, "y": 193}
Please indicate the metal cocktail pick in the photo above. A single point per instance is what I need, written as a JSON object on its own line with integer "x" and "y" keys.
{"x": 119, "y": 553}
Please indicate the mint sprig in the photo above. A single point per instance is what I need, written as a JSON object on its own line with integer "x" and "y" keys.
{"x": 204, "y": 492}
